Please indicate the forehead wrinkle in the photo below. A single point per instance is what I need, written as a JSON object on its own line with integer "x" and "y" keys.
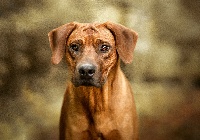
{"x": 90, "y": 32}
{"x": 90, "y": 29}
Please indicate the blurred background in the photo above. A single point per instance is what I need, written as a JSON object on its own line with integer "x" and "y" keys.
{"x": 165, "y": 73}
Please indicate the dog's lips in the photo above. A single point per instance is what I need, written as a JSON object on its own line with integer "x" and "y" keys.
{"x": 87, "y": 82}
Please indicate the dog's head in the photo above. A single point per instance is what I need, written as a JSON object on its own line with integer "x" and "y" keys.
{"x": 92, "y": 49}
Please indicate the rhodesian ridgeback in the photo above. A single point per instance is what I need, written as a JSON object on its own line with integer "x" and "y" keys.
{"x": 98, "y": 103}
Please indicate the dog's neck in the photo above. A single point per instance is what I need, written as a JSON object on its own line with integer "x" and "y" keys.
{"x": 95, "y": 99}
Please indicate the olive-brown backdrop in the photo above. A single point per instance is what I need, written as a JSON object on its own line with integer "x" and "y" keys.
{"x": 165, "y": 73}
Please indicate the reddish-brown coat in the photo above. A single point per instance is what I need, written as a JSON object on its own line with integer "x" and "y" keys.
{"x": 106, "y": 110}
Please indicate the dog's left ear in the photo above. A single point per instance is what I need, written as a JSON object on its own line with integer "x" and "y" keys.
{"x": 57, "y": 39}
{"x": 125, "y": 40}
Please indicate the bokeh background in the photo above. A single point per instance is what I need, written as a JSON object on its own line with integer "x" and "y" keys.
{"x": 165, "y": 73}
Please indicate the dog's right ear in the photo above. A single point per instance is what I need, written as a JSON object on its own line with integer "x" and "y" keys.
{"x": 57, "y": 39}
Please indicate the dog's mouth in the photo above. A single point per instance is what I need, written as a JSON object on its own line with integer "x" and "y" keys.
{"x": 88, "y": 82}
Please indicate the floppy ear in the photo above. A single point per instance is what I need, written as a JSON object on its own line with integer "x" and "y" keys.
{"x": 125, "y": 40}
{"x": 57, "y": 39}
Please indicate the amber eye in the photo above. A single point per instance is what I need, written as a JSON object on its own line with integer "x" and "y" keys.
{"x": 104, "y": 48}
{"x": 75, "y": 47}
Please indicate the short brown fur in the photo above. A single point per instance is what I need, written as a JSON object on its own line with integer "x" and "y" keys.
{"x": 99, "y": 105}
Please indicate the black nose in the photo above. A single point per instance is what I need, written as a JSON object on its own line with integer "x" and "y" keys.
{"x": 87, "y": 71}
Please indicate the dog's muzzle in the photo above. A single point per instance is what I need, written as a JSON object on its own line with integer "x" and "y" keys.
{"x": 86, "y": 75}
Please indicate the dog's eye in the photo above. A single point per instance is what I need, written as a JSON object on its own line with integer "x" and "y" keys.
{"x": 104, "y": 48}
{"x": 75, "y": 47}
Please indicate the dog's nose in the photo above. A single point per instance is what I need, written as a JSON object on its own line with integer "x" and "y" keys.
{"x": 87, "y": 70}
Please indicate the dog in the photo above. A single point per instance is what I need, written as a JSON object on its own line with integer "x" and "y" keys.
{"x": 98, "y": 103}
